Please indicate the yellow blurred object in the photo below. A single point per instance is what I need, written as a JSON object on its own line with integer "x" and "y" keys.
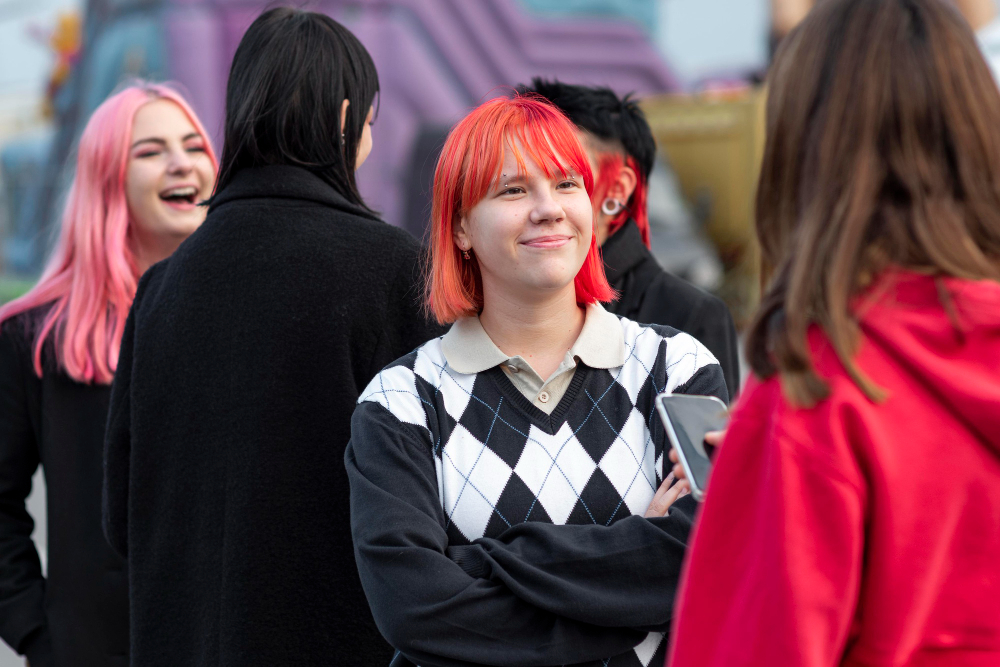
{"x": 715, "y": 144}
{"x": 66, "y": 41}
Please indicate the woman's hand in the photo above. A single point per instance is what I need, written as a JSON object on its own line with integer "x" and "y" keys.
{"x": 713, "y": 438}
{"x": 665, "y": 497}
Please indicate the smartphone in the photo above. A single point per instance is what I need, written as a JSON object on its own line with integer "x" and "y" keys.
{"x": 687, "y": 419}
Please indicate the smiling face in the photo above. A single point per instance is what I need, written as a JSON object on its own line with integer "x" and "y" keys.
{"x": 167, "y": 175}
{"x": 530, "y": 233}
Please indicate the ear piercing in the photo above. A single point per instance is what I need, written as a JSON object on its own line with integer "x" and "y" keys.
{"x": 465, "y": 254}
{"x": 611, "y": 206}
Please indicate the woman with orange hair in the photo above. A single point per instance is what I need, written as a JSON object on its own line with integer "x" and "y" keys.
{"x": 508, "y": 502}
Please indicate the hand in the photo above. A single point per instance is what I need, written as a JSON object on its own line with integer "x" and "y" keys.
{"x": 665, "y": 497}
{"x": 713, "y": 438}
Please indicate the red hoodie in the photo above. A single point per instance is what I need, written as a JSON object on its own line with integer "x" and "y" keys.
{"x": 855, "y": 533}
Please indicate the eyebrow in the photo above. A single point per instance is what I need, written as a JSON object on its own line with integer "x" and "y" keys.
{"x": 157, "y": 140}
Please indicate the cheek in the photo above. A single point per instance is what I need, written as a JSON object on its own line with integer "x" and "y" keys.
{"x": 366, "y": 138}
{"x": 206, "y": 172}
{"x": 140, "y": 188}
{"x": 581, "y": 214}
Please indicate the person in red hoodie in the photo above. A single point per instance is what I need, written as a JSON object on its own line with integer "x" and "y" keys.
{"x": 853, "y": 516}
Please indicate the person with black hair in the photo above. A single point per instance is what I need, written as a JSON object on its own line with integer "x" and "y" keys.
{"x": 240, "y": 366}
{"x": 622, "y": 152}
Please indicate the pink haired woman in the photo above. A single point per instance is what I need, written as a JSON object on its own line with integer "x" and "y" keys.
{"x": 144, "y": 164}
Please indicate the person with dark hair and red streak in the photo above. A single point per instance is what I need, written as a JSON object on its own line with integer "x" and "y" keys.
{"x": 622, "y": 151}
{"x": 508, "y": 502}
{"x": 853, "y": 515}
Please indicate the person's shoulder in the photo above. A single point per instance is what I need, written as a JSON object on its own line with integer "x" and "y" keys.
{"x": 643, "y": 339}
{"x": 686, "y": 295}
{"x": 150, "y": 283}
{"x": 21, "y": 328}
{"x": 18, "y": 336}
{"x": 650, "y": 345}
{"x": 382, "y": 244}
{"x": 406, "y": 387}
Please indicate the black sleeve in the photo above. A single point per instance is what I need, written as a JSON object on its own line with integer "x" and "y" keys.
{"x": 624, "y": 575}
{"x": 706, "y": 381}
{"x": 118, "y": 434}
{"x": 713, "y": 325}
{"x": 425, "y": 604}
{"x": 23, "y": 623}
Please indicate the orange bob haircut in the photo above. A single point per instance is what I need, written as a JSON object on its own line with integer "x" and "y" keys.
{"x": 470, "y": 163}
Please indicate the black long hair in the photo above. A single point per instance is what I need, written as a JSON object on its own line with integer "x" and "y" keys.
{"x": 290, "y": 75}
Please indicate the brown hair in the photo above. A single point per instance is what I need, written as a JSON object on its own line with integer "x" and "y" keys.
{"x": 883, "y": 149}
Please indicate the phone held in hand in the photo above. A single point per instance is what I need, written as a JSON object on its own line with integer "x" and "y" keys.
{"x": 687, "y": 419}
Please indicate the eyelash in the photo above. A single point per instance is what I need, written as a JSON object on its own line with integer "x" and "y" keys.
{"x": 509, "y": 191}
{"x": 193, "y": 149}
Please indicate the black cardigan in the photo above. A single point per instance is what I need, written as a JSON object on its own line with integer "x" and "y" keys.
{"x": 78, "y": 615}
{"x": 650, "y": 295}
{"x": 240, "y": 367}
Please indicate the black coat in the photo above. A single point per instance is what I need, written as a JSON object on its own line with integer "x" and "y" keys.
{"x": 78, "y": 616}
{"x": 650, "y": 295}
{"x": 240, "y": 368}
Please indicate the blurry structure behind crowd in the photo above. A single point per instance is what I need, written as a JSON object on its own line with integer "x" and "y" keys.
{"x": 982, "y": 15}
{"x": 441, "y": 57}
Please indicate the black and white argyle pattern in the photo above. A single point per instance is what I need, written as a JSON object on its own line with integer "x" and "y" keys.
{"x": 501, "y": 461}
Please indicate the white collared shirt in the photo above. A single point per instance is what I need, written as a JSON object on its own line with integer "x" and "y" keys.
{"x": 469, "y": 349}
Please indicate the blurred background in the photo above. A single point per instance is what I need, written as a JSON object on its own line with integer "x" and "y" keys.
{"x": 697, "y": 65}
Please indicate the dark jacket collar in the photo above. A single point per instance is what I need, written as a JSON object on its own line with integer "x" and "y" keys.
{"x": 285, "y": 182}
{"x": 623, "y": 251}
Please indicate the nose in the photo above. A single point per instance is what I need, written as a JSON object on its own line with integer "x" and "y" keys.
{"x": 546, "y": 209}
{"x": 180, "y": 162}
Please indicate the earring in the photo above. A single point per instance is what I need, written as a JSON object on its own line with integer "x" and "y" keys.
{"x": 611, "y": 206}
{"x": 465, "y": 254}
{"x": 343, "y": 138}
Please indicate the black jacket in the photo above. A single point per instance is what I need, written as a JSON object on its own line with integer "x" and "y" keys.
{"x": 650, "y": 295}
{"x": 240, "y": 367}
{"x": 78, "y": 615}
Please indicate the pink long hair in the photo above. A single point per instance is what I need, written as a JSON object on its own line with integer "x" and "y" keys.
{"x": 91, "y": 277}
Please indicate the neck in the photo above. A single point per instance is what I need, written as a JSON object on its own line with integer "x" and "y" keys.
{"x": 540, "y": 330}
{"x": 977, "y": 12}
{"x": 150, "y": 251}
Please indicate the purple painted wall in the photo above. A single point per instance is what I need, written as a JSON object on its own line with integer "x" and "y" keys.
{"x": 436, "y": 60}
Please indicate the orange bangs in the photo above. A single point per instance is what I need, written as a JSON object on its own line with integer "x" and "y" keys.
{"x": 470, "y": 162}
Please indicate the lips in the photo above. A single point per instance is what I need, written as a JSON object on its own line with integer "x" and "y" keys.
{"x": 547, "y": 242}
{"x": 183, "y": 197}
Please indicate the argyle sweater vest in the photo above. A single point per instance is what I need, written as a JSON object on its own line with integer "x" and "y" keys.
{"x": 500, "y": 461}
